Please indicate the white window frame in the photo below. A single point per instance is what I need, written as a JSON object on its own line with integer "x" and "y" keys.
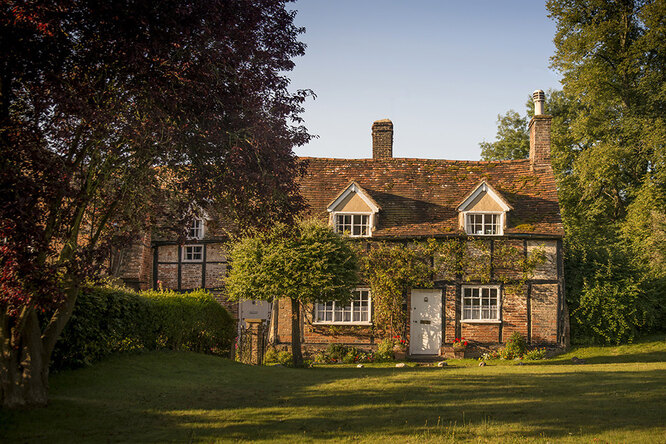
{"x": 184, "y": 253}
{"x": 333, "y": 309}
{"x": 500, "y": 222}
{"x": 371, "y": 221}
{"x": 496, "y": 320}
{"x": 200, "y": 229}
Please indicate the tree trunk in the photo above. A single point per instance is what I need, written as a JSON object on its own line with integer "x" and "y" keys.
{"x": 296, "y": 333}
{"x": 272, "y": 327}
{"x": 24, "y": 364}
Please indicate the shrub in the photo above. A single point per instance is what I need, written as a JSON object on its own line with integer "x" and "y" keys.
{"x": 271, "y": 356}
{"x": 535, "y": 354}
{"x": 515, "y": 347}
{"x": 336, "y": 353}
{"x": 612, "y": 312}
{"x": 385, "y": 350}
{"x": 109, "y": 319}
{"x": 285, "y": 358}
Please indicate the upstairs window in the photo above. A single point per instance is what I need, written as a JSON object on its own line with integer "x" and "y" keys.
{"x": 480, "y": 303}
{"x": 357, "y": 312}
{"x": 193, "y": 253}
{"x": 355, "y": 225}
{"x": 195, "y": 229}
{"x": 483, "y": 224}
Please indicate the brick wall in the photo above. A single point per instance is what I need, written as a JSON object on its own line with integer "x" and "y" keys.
{"x": 514, "y": 311}
{"x": 483, "y": 333}
{"x": 382, "y": 139}
{"x": 451, "y": 314}
{"x": 540, "y": 140}
{"x": 136, "y": 266}
{"x": 544, "y": 299}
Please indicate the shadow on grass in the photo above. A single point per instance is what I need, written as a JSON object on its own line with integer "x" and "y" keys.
{"x": 655, "y": 356}
{"x": 181, "y": 396}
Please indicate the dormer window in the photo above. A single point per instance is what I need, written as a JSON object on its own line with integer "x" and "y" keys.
{"x": 196, "y": 229}
{"x": 353, "y": 213}
{"x": 355, "y": 225}
{"x": 483, "y": 223}
{"x": 483, "y": 211}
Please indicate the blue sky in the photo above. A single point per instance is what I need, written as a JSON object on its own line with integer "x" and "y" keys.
{"x": 440, "y": 70}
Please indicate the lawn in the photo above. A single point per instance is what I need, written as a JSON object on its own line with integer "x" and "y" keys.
{"x": 618, "y": 395}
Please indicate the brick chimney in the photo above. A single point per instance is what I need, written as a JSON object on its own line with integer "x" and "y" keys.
{"x": 382, "y": 139}
{"x": 539, "y": 132}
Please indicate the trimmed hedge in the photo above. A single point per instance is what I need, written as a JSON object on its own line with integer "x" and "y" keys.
{"x": 107, "y": 320}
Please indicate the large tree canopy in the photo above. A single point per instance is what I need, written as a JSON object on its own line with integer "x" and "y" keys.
{"x": 612, "y": 165}
{"x": 512, "y": 141}
{"x": 107, "y": 111}
{"x": 609, "y": 155}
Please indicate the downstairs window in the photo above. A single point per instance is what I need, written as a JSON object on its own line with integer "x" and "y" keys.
{"x": 480, "y": 303}
{"x": 357, "y": 312}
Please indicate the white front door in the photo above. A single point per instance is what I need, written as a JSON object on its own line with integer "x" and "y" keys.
{"x": 426, "y": 322}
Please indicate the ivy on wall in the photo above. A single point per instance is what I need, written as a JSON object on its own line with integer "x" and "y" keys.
{"x": 392, "y": 269}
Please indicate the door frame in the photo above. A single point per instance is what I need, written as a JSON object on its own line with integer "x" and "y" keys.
{"x": 439, "y": 296}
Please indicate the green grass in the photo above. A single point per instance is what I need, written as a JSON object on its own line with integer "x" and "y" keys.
{"x": 619, "y": 395}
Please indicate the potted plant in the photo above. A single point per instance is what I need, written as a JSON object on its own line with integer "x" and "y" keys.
{"x": 399, "y": 348}
{"x": 459, "y": 346}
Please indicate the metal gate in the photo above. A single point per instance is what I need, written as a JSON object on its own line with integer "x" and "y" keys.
{"x": 251, "y": 343}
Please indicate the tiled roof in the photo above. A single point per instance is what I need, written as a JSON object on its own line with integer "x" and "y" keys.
{"x": 418, "y": 197}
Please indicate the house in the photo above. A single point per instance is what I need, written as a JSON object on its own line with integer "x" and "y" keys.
{"x": 486, "y": 205}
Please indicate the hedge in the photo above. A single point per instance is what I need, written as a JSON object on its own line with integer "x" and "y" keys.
{"x": 108, "y": 320}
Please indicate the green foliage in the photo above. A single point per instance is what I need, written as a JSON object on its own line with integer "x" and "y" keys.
{"x": 513, "y": 140}
{"x": 385, "y": 350}
{"x": 611, "y": 313}
{"x": 285, "y": 358}
{"x": 535, "y": 354}
{"x": 271, "y": 355}
{"x": 515, "y": 347}
{"x": 391, "y": 270}
{"x": 609, "y": 135}
{"x": 608, "y": 139}
{"x": 338, "y": 353}
{"x": 307, "y": 262}
{"x": 108, "y": 320}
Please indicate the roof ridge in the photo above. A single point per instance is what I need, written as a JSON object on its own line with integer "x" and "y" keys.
{"x": 411, "y": 159}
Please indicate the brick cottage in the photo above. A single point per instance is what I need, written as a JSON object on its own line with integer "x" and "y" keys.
{"x": 486, "y": 205}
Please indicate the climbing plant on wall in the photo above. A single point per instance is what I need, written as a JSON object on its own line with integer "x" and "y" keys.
{"x": 392, "y": 269}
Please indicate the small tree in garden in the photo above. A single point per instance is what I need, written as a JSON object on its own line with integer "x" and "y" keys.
{"x": 305, "y": 263}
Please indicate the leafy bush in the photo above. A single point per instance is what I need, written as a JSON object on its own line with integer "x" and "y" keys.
{"x": 385, "y": 350}
{"x": 285, "y": 358}
{"x": 535, "y": 354}
{"x": 336, "y": 353}
{"x": 515, "y": 347}
{"x": 272, "y": 356}
{"x": 108, "y": 319}
{"x": 611, "y": 312}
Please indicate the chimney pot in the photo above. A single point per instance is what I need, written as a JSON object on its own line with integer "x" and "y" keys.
{"x": 539, "y": 98}
{"x": 382, "y": 139}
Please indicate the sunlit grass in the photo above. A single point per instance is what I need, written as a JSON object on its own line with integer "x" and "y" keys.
{"x": 618, "y": 395}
